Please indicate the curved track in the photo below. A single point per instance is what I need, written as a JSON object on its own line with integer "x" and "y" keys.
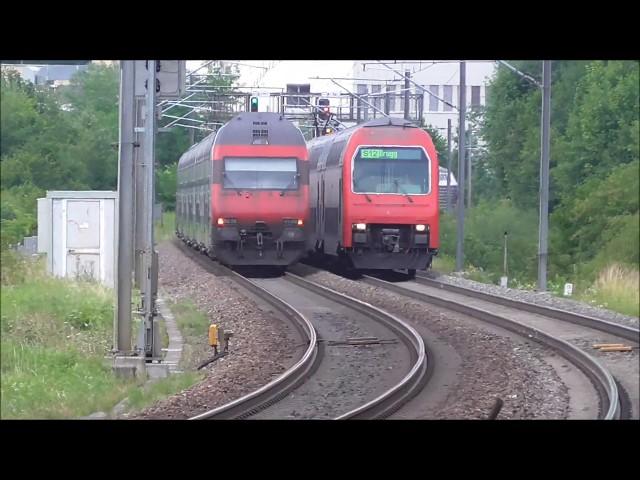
{"x": 616, "y": 329}
{"x": 501, "y": 311}
{"x": 382, "y": 404}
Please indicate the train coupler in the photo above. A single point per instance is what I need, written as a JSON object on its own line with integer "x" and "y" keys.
{"x": 259, "y": 243}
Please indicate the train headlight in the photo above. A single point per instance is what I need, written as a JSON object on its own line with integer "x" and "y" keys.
{"x": 226, "y": 221}
{"x": 360, "y": 226}
{"x": 292, "y": 222}
{"x": 421, "y": 228}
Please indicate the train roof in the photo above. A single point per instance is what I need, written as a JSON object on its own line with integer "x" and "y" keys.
{"x": 376, "y": 122}
{"x": 388, "y": 122}
{"x": 250, "y": 128}
{"x": 246, "y": 128}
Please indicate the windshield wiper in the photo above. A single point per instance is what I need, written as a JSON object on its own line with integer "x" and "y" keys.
{"x": 295, "y": 177}
{"x": 402, "y": 190}
{"x": 232, "y": 184}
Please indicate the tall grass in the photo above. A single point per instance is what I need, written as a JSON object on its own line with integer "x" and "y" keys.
{"x": 194, "y": 326}
{"x": 617, "y": 287}
{"x": 444, "y": 263}
{"x": 190, "y": 320}
{"x": 165, "y": 229}
{"x": 55, "y": 334}
{"x": 143, "y": 397}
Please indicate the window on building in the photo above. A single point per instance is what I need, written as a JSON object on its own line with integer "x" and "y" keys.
{"x": 294, "y": 89}
{"x": 392, "y": 98}
{"x": 448, "y": 96}
{"x": 433, "y": 101}
{"x": 487, "y": 93}
{"x": 475, "y": 97}
{"x": 377, "y": 100}
{"x": 361, "y": 89}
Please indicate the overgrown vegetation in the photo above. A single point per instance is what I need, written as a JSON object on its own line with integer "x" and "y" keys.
{"x": 194, "y": 326}
{"x": 143, "y": 397}
{"x": 191, "y": 321}
{"x": 165, "y": 229}
{"x": 595, "y": 169}
{"x": 617, "y": 287}
{"x": 56, "y": 334}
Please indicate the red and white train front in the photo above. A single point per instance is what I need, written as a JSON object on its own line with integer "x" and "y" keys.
{"x": 384, "y": 189}
{"x": 254, "y": 177}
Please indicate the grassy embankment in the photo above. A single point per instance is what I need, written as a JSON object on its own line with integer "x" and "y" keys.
{"x": 55, "y": 336}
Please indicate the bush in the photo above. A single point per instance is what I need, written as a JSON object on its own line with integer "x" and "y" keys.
{"x": 484, "y": 230}
{"x": 18, "y": 213}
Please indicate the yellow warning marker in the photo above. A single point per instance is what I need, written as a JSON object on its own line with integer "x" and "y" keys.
{"x": 605, "y": 345}
{"x": 616, "y": 349}
{"x": 213, "y": 335}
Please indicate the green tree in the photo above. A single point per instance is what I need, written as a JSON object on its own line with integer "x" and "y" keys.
{"x": 166, "y": 184}
{"x": 602, "y": 128}
{"x": 439, "y": 141}
{"x": 18, "y": 112}
{"x": 594, "y": 155}
{"x": 46, "y": 146}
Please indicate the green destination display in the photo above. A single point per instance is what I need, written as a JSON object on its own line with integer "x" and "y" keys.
{"x": 391, "y": 153}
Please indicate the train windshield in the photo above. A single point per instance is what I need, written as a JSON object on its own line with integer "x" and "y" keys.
{"x": 261, "y": 173}
{"x": 403, "y": 170}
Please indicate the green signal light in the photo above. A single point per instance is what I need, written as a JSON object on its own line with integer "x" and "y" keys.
{"x": 254, "y": 104}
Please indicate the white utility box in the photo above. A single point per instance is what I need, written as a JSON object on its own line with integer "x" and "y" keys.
{"x": 78, "y": 232}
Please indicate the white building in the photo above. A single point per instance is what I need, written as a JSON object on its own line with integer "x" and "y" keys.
{"x": 273, "y": 76}
{"x": 27, "y": 73}
{"x": 438, "y": 76}
{"x": 42, "y": 74}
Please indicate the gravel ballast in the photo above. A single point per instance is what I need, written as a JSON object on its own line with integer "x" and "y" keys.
{"x": 492, "y": 365}
{"x": 262, "y": 346}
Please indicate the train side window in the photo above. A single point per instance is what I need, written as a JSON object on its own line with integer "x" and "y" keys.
{"x": 335, "y": 152}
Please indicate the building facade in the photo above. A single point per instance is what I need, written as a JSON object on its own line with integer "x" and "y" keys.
{"x": 440, "y": 77}
{"x": 53, "y": 75}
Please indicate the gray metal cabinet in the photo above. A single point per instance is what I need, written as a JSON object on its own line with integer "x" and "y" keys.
{"x": 78, "y": 232}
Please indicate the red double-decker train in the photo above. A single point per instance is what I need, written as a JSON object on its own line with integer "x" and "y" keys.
{"x": 373, "y": 192}
{"x": 243, "y": 192}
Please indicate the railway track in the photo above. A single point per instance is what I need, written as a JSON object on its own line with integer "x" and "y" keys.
{"x": 545, "y": 325}
{"x": 616, "y": 329}
{"x": 298, "y": 300}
